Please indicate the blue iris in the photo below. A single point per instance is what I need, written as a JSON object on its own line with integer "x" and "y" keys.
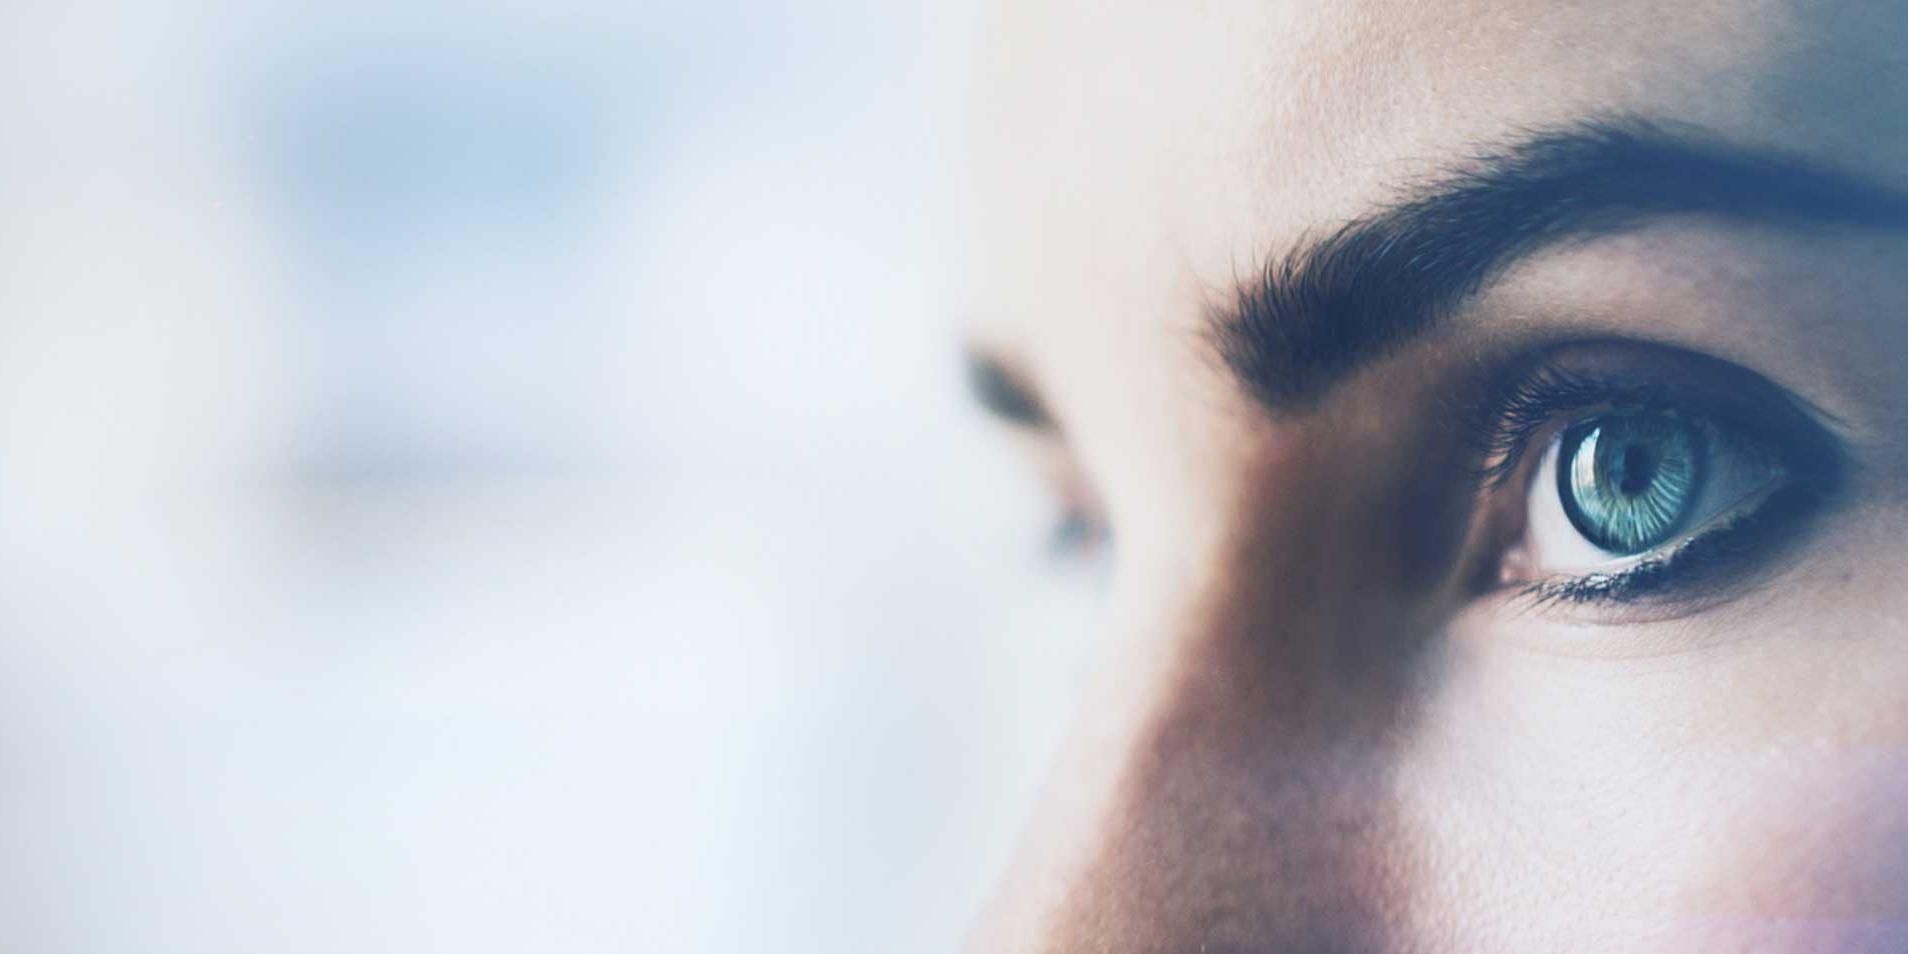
{"x": 1629, "y": 481}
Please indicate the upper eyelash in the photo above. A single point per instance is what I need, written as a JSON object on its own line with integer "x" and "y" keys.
{"x": 1504, "y": 424}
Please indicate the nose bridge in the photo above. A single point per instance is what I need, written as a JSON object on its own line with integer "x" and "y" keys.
{"x": 1252, "y": 804}
{"x": 1252, "y": 807}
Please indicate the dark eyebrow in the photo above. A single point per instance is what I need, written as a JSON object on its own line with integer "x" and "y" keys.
{"x": 1004, "y": 392}
{"x": 1366, "y": 288}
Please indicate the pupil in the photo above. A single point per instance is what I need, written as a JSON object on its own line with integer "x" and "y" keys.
{"x": 1639, "y": 471}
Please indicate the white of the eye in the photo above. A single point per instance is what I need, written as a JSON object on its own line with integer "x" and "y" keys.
{"x": 1552, "y": 541}
{"x": 1552, "y": 545}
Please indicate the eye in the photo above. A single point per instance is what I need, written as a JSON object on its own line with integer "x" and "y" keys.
{"x": 1617, "y": 471}
{"x": 1615, "y": 487}
{"x": 1079, "y": 532}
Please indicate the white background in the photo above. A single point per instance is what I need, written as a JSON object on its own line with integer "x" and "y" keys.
{"x": 500, "y": 481}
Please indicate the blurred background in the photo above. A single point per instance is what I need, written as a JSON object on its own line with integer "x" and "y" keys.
{"x": 500, "y": 480}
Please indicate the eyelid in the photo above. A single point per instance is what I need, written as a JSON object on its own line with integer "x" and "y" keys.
{"x": 1518, "y": 403}
{"x": 1506, "y": 425}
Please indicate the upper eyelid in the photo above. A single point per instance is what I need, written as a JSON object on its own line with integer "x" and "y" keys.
{"x": 1830, "y": 422}
{"x": 1505, "y": 422}
{"x": 1503, "y": 432}
{"x": 1685, "y": 381}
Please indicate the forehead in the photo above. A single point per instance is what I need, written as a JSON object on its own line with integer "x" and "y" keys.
{"x": 1201, "y": 137}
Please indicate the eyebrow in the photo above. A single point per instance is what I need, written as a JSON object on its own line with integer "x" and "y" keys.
{"x": 1004, "y": 392}
{"x": 1365, "y": 289}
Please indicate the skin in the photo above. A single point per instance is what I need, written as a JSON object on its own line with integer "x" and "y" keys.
{"x": 1309, "y": 733}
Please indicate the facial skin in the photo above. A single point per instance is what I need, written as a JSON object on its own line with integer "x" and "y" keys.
{"x": 1356, "y": 697}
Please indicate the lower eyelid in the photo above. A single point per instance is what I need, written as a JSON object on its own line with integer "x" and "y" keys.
{"x": 1722, "y": 552}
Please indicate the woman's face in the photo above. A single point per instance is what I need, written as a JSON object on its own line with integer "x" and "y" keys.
{"x": 1496, "y": 419}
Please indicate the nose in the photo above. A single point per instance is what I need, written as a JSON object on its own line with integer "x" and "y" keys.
{"x": 1244, "y": 799}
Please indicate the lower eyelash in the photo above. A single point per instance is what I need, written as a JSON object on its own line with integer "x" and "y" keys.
{"x": 1711, "y": 554}
{"x": 1648, "y": 576}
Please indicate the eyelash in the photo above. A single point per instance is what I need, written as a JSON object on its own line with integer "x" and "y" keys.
{"x": 1506, "y": 428}
{"x": 1508, "y": 424}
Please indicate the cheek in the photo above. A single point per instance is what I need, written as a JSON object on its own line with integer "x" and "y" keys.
{"x": 1745, "y": 797}
{"x": 1814, "y": 837}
